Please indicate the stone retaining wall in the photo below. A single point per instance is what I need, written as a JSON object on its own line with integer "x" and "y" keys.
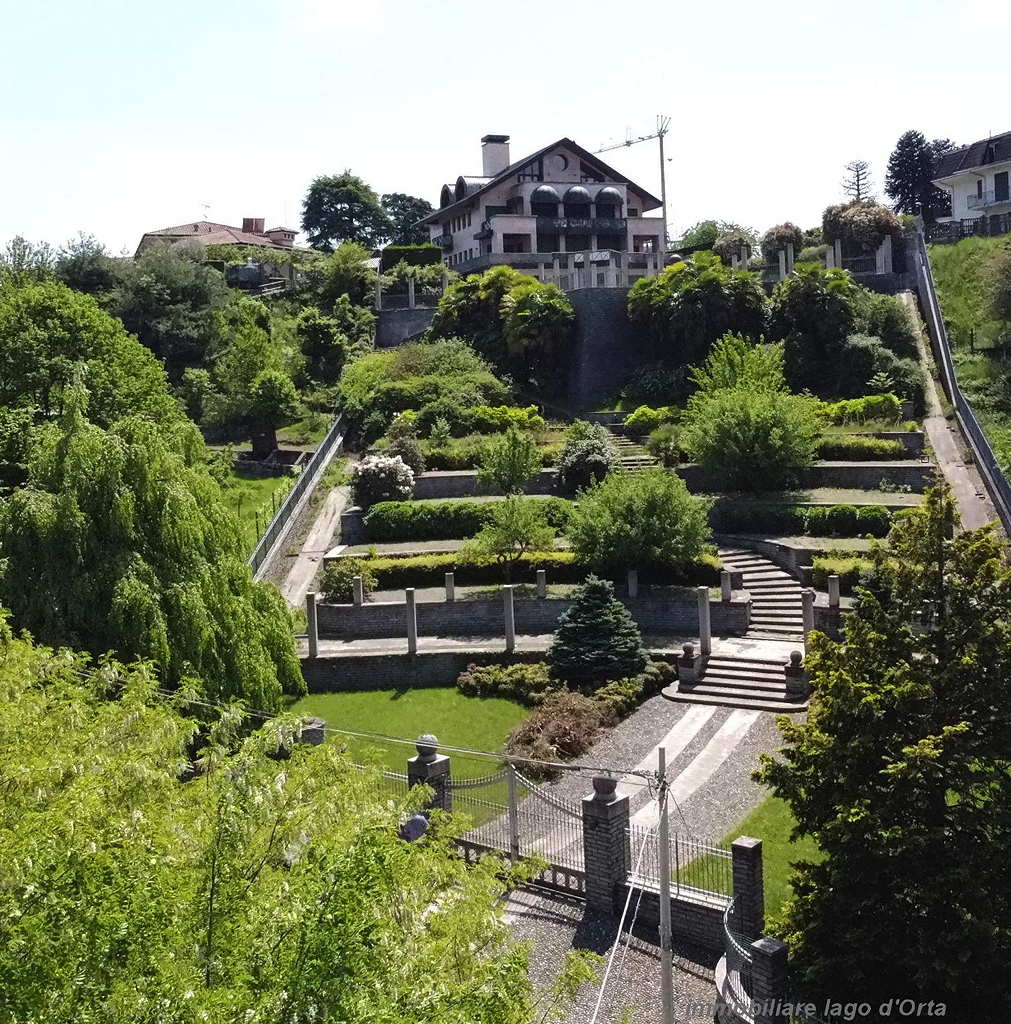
{"x": 675, "y": 614}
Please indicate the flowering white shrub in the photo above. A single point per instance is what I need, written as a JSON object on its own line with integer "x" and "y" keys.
{"x": 381, "y": 478}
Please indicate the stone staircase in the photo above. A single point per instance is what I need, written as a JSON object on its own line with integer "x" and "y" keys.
{"x": 632, "y": 456}
{"x": 756, "y": 684}
{"x": 775, "y": 595}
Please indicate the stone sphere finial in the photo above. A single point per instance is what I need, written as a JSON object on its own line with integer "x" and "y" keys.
{"x": 688, "y": 650}
{"x": 427, "y": 745}
{"x": 796, "y": 658}
{"x": 604, "y": 786}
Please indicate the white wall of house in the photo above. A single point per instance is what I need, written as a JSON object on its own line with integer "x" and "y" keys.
{"x": 974, "y": 193}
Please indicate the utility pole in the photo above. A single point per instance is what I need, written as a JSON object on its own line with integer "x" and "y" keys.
{"x": 666, "y": 956}
{"x": 662, "y": 127}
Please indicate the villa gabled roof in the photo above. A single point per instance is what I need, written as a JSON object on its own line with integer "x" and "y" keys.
{"x": 650, "y": 201}
{"x": 995, "y": 149}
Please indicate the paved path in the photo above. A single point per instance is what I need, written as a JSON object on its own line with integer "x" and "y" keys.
{"x": 320, "y": 537}
{"x": 974, "y": 506}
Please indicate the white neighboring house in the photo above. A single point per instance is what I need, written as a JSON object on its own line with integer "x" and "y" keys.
{"x": 530, "y": 213}
{"x": 978, "y": 178}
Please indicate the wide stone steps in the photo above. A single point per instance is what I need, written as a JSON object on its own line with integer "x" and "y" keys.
{"x": 729, "y": 681}
{"x": 776, "y": 609}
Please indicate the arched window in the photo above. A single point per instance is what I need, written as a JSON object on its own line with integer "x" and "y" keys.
{"x": 577, "y": 202}
{"x": 544, "y": 201}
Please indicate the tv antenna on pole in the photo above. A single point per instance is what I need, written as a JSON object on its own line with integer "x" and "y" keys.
{"x": 206, "y": 208}
{"x": 662, "y": 127}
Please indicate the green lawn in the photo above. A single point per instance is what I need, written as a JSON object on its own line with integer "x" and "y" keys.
{"x": 475, "y": 722}
{"x": 771, "y": 821}
{"x": 250, "y": 496}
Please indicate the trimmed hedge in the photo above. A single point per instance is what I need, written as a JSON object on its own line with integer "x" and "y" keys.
{"x": 731, "y": 515}
{"x": 561, "y": 567}
{"x": 860, "y": 447}
{"x": 468, "y": 453}
{"x": 848, "y": 569}
{"x": 860, "y": 410}
{"x": 390, "y": 522}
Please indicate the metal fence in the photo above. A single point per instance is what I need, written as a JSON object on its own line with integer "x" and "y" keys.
{"x": 739, "y": 962}
{"x": 986, "y": 461}
{"x": 292, "y": 504}
{"x": 697, "y": 867}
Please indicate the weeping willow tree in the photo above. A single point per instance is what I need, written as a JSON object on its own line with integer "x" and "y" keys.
{"x": 119, "y": 541}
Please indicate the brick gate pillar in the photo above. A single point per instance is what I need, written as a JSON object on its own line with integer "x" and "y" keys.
{"x": 606, "y": 849}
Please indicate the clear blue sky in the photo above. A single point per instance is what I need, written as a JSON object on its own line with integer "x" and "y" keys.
{"x": 125, "y": 115}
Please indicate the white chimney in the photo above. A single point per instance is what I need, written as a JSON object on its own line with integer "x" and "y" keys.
{"x": 494, "y": 155}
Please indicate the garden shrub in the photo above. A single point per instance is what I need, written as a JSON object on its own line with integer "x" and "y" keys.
{"x": 839, "y": 518}
{"x": 646, "y": 419}
{"x": 812, "y": 254}
{"x": 588, "y": 456}
{"x": 860, "y": 225}
{"x": 778, "y": 237}
{"x": 526, "y": 684}
{"x": 664, "y": 445}
{"x": 860, "y": 410}
{"x": 860, "y": 447}
{"x": 429, "y": 570}
{"x": 337, "y": 582}
{"x": 849, "y": 568}
{"x": 380, "y": 478}
{"x": 635, "y": 521}
{"x": 596, "y": 639}
{"x": 618, "y": 698}
{"x": 468, "y": 453}
{"x": 563, "y": 727}
{"x": 874, "y": 519}
{"x": 730, "y": 515}
{"x": 484, "y": 419}
{"x": 396, "y": 521}
{"x": 510, "y": 461}
{"x": 516, "y": 526}
{"x": 407, "y": 448}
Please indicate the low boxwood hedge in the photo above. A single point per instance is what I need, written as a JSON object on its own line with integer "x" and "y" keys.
{"x": 860, "y": 447}
{"x": 732, "y": 515}
{"x": 390, "y": 522}
{"x": 560, "y": 566}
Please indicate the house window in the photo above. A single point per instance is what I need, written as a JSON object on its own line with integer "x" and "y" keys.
{"x": 632, "y": 212}
{"x": 644, "y": 243}
{"x": 979, "y": 188}
{"x": 532, "y": 172}
{"x": 1001, "y": 192}
{"x": 516, "y": 243}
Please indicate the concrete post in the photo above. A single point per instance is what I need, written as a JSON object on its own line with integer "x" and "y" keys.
{"x": 542, "y": 584}
{"x": 606, "y": 849}
{"x": 358, "y": 593}
{"x": 749, "y": 886}
{"x": 789, "y": 257}
{"x": 450, "y": 587}
{"x": 556, "y": 274}
{"x": 379, "y": 292}
{"x": 587, "y": 270}
{"x": 633, "y": 582}
{"x": 445, "y": 278}
{"x": 837, "y": 253}
{"x": 833, "y": 591}
{"x": 807, "y": 607}
{"x": 782, "y": 264}
{"x": 412, "y": 621}
{"x": 726, "y": 586}
{"x": 430, "y": 768}
{"x": 705, "y": 630}
{"x": 768, "y": 981}
{"x": 311, "y": 626}
{"x": 410, "y": 293}
{"x": 510, "y": 617}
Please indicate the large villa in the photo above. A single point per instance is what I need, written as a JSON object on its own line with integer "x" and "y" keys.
{"x": 532, "y": 212}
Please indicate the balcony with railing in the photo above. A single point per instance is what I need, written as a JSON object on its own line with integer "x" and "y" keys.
{"x": 582, "y": 225}
{"x": 988, "y": 198}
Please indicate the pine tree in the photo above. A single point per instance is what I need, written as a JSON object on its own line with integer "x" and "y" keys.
{"x": 910, "y": 171}
{"x": 597, "y": 639}
{"x": 857, "y": 183}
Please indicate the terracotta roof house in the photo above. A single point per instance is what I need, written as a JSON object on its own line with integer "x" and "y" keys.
{"x": 207, "y": 232}
{"x": 977, "y": 177}
{"x": 529, "y": 213}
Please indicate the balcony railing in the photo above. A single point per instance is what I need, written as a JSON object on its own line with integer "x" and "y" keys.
{"x": 599, "y": 225}
{"x": 446, "y": 241}
{"x": 984, "y": 199}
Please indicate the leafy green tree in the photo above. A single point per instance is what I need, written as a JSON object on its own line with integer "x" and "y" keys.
{"x": 813, "y": 313}
{"x": 909, "y": 178}
{"x": 901, "y": 776}
{"x": 597, "y": 639}
{"x": 704, "y": 234}
{"x": 119, "y": 542}
{"x": 258, "y": 892}
{"x": 85, "y": 265}
{"x": 639, "y": 521}
{"x": 23, "y": 262}
{"x": 510, "y": 461}
{"x": 517, "y": 525}
{"x": 47, "y": 331}
{"x": 271, "y": 402}
{"x": 779, "y": 237}
{"x": 692, "y": 303}
{"x": 999, "y": 285}
{"x": 168, "y": 297}
{"x": 538, "y": 321}
{"x": 343, "y": 208}
{"x": 587, "y": 456}
{"x": 404, "y": 212}
{"x": 733, "y": 362}
{"x": 751, "y": 439}
{"x": 324, "y": 345}
{"x": 861, "y": 225}
{"x": 345, "y": 272}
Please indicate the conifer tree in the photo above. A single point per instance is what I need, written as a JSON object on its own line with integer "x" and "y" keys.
{"x": 597, "y": 639}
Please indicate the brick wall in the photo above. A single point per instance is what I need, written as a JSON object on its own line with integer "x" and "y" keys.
{"x": 698, "y": 920}
{"x": 676, "y": 613}
{"x": 858, "y": 475}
